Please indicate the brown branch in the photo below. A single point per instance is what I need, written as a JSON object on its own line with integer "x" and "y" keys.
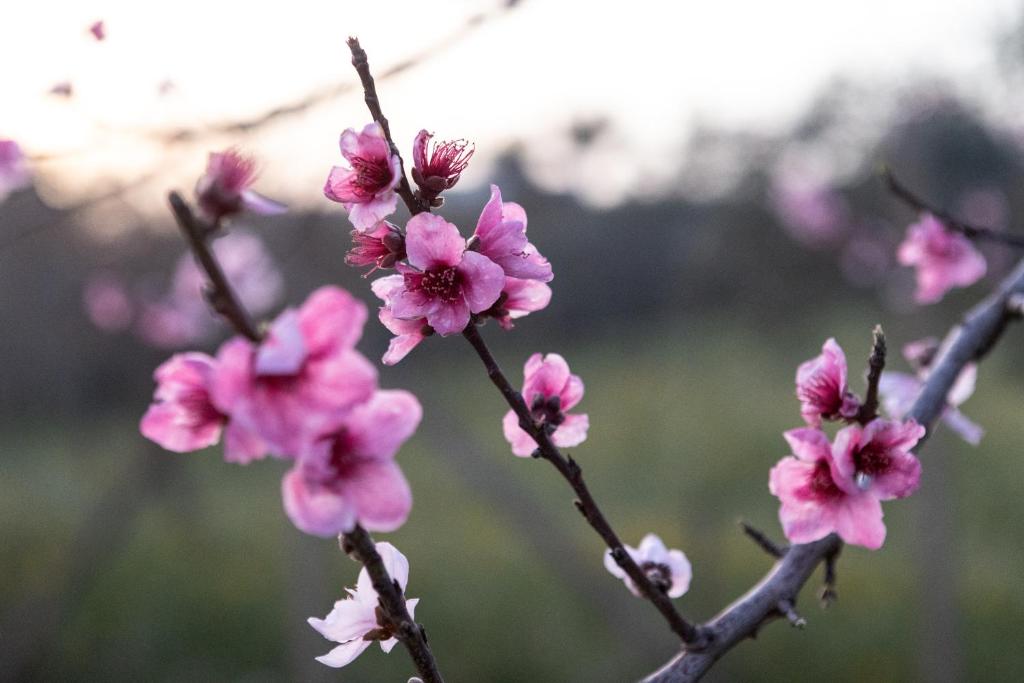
{"x": 968, "y": 230}
{"x": 220, "y": 294}
{"x": 359, "y": 544}
{"x": 967, "y": 342}
{"x": 571, "y": 472}
{"x": 362, "y": 66}
{"x": 876, "y": 363}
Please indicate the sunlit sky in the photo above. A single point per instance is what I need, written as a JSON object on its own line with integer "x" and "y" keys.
{"x": 653, "y": 69}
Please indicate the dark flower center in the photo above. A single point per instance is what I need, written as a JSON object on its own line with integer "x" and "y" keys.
{"x": 872, "y": 460}
{"x": 821, "y": 484}
{"x": 659, "y": 574}
{"x": 372, "y": 175}
{"x": 442, "y": 283}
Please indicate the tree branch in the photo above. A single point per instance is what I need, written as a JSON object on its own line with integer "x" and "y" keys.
{"x": 968, "y": 230}
{"x": 571, "y": 472}
{"x": 362, "y": 66}
{"x": 876, "y": 363}
{"x": 220, "y": 294}
{"x": 967, "y": 342}
{"x": 359, "y": 544}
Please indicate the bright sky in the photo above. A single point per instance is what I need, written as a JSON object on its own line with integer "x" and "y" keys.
{"x": 521, "y": 78}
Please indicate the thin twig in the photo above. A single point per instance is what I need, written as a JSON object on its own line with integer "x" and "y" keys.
{"x": 220, "y": 294}
{"x": 968, "y": 230}
{"x": 359, "y": 544}
{"x": 572, "y": 473}
{"x": 362, "y": 66}
{"x": 828, "y": 594}
{"x": 981, "y": 328}
{"x": 876, "y": 363}
{"x": 788, "y": 610}
{"x": 763, "y": 542}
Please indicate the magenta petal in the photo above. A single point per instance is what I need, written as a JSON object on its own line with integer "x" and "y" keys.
{"x": 490, "y": 217}
{"x": 482, "y": 281}
{"x": 572, "y": 392}
{"x": 167, "y": 425}
{"x": 331, "y": 318}
{"x": 338, "y": 187}
{"x": 411, "y": 305}
{"x": 378, "y": 427}
{"x": 859, "y": 521}
{"x": 802, "y": 521}
{"x": 545, "y": 377}
{"x": 399, "y": 347}
{"x": 315, "y": 509}
{"x": 366, "y": 215}
{"x": 572, "y": 432}
{"x": 379, "y": 493}
{"x": 419, "y": 149}
{"x": 448, "y": 319}
{"x": 242, "y": 446}
{"x": 386, "y": 287}
{"x": 522, "y": 444}
{"x": 433, "y": 242}
{"x": 809, "y": 445}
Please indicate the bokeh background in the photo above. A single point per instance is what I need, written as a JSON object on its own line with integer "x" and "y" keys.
{"x": 704, "y": 180}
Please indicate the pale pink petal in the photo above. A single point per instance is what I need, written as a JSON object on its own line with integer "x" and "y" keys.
{"x": 547, "y": 378}
{"x": 449, "y": 318}
{"x": 378, "y": 427}
{"x": 433, "y": 242}
{"x": 522, "y": 443}
{"x": 802, "y": 520}
{"x": 169, "y": 426}
{"x": 968, "y": 430}
{"x": 386, "y": 287}
{"x": 681, "y": 571}
{"x": 379, "y": 494}
{"x": 411, "y": 305}
{"x": 242, "y": 446}
{"x": 572, "y": 432}
{"x": 399, "y": 347}
{"x": 345, "y": 653}
{"x": 314, "y": 509}
{"x": 366, "y": 215}
{"x": 258, "y": 204}
{"x": 572, "y": 392}
{"x": 963, "y": 388}
{"x": 482, "y": 281}
{"x": 809, "y": 445}
{"x": 339, "y": 185}
{"x": 331, "y": 318}
{"x": 525, "y": 296}
{"x": 859, "y": 521}
{"x": 651, "y": 549}
{"x": 350, "y": 619}
{"x": 396, "y": 564}
{"x": 283, "y": 351}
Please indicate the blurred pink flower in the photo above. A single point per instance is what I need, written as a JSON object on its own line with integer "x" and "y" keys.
{"x": 810, "y": 211}
{"x": 501, "y": 235}
{"x": 14, "y": 171}
{"x": 354, "y": 621}
{"x": 816, "y": 499}
{"x": 438, "y": 168}
{"x": 166, "y": 326}
{"x": 667, "y": 569}
{"x": 381, "y": 247}
{"x": 348, "y": 475}
{"x": 519, "y": 298}
{"x": 183, "y": 418}
{"x": 408, "y": 333}
{"x": 107, "y": 302}
{"x": 62, "y": 89}
{"x": 302, "y": 378}
{"x": 550, "y": 391}
{"x": 821, "y": 387}
{"x": 943, "y": 259}
{"x": 367, "y": 187}
{"x": 444, "y": 283}
{"x": 223, "y": 190}
{"x": 877, "y": 457}
{"x": 98, "y": 30}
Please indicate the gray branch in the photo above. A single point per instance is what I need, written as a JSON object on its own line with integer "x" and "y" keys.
{"x": 967, "y": 342}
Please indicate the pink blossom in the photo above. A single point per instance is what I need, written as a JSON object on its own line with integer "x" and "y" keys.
{"x": 408, "y": 333}
{"x": 667, "y": 569}
{"x": 899, "y": 391}
{"x": 302, "y": 378}
{"x": 811, "y": 212}
{"x": 438, "y": 169}
{"x": 380, "y": 247}
{"x": 444, "y": 283}
{"x": 62, "y": 89}
{"x": 348, "y": 475}
{"x": 354, "y": 621}
{"x": 944, "y": 259}
{"x": 877, "y": 457}
{"x": 166, "y": 326}
{"x": 501, "y": 235}
{"x": 14, "y": 172}
{"x": 107, "y": 302}
{"x": 550, "y": 391}
{"x": 821, "y": 387}
{"x": 519, "y": 298}
{"x": 224, "y": 189}
{"x": 98, "y": 30}
{"x": 817, "y": 499}
{"x": 367, "y": 187}
{"x": 183, "y": 418}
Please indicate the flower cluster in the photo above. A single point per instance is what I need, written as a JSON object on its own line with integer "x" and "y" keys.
{"x": 442, "y": 279}
{"x": 304, "y": 394}
{"x": 837, "y": 486}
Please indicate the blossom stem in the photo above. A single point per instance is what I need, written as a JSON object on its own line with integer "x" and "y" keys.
{"x": 967, "y": 342}
{"x": 362, "y": 67}
{"x": 220, "y": 294}
{"x": 968, "y": 230}
{"x": 570, "y": 470}
{"x": 876, "y": 363}
{"x": 359, "y": 544}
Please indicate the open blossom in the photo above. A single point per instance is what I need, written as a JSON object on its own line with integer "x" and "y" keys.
{"x": 944, "y": 259}
{"x": 224, "y": 189}
{"x": 381, "y": 247}
{"x": 817, "y": 499}
{"x": 877, "y": 457}
{"x": 667, "y": 569}
{"x": 444, "y": 282}
{"x": 14, "y": 173}
{"x": 349, "y": 476}
{"x": 302, "y": 378}
{"x": 367, "y": 187}
{"x": 408, "y": 333}
{"x": 98, "y": 30}
{"x": 107, "y": 302}
{"x": 821, "y": 387}
{"x": 501, "y": 235}
{"x": 899, "y": 391}
{"x": 550, "y": 391}
{"x": 437, "y": 167}
{"x": 354, "y": 621}
{"x": 519, "y": 298}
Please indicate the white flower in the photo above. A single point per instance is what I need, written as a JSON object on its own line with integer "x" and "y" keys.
{"x": 667, "y": 569}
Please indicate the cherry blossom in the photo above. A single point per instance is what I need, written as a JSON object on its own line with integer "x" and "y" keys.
{"x": 437, "y": 167}
{"x": 821, "y": 387}
{"x": 944, "y": 259}
{"x": 98, "y": 30}
{"x": 501, "y": 237}
{"x": 877, "y": 457}
{"x": 380, "y": 247}
{"x": 355, "y": 622}
{"x": 366, "y": 188}
{"x": 224, "y": 189}
{"x": 550, "y": 391}
{"x": 667, "y": 569}
{"x": 519, "y": 298}
{"x": 408, "y": 333}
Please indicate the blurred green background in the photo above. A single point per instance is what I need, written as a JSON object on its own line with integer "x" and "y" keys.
{"x": 686, "y": 317}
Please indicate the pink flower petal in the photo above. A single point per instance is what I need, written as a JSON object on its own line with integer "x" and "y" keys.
{"x": 482, "y": 281}
{"x": 379, "y": 493}
{"x": 433, "y": 242}
{"x": 314, "y": 509}
{"x": 572, "y": 432}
